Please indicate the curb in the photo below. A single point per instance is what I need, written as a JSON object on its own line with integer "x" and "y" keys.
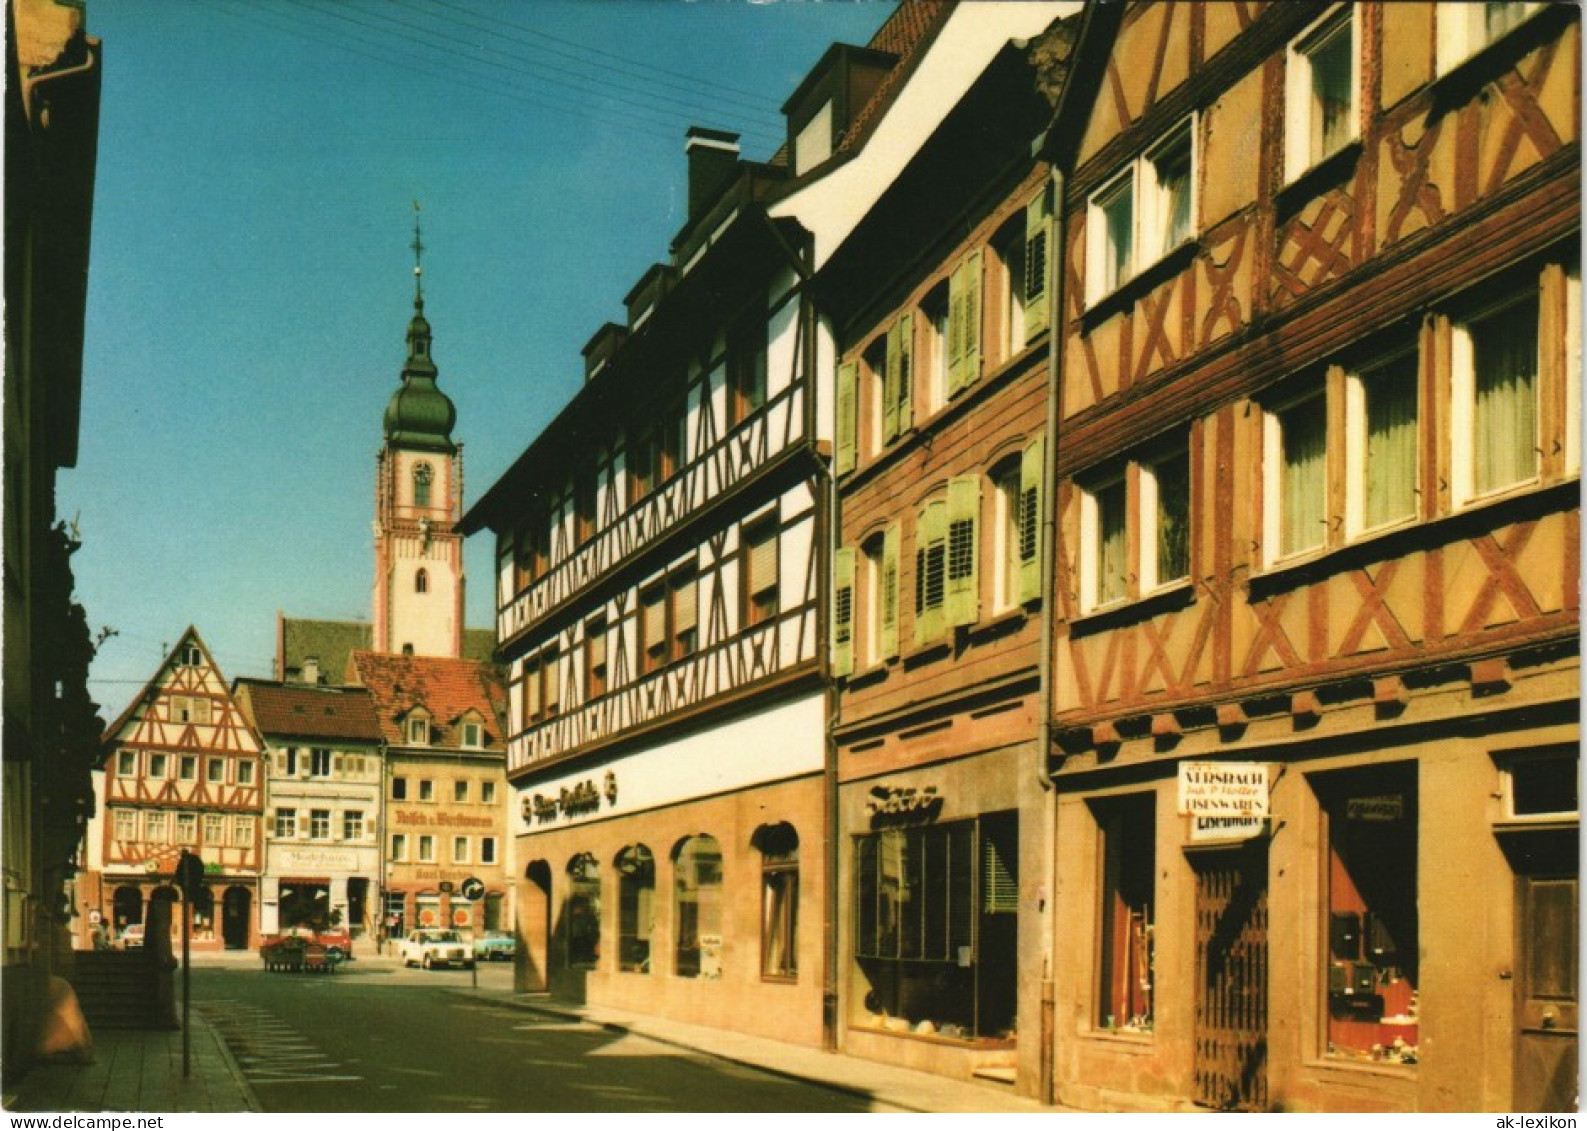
{"x": 249, "y": 1096}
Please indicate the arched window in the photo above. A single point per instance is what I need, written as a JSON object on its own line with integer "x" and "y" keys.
{"x": 582, "y": 911}
{"x": 421, "y": 485}
{"x": 421, "y": 581}
{"x": 697, "y": 868}
{"x": 779, "y": 900}
{"x": 636, "y": 914}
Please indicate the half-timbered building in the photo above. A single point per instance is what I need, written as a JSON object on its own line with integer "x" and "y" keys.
{"x": 442, "y": 819}
{"x": 323, "y": 861}
{"x": 1316, "y": 610}
{"x": 183, "y": 772}
{"x": 939, "y": 302}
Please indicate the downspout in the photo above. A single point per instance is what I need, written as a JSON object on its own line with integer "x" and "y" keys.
{"x": 1049, "y": 606}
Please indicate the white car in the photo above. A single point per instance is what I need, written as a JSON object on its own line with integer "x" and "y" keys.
{"x": 433, "y": 947}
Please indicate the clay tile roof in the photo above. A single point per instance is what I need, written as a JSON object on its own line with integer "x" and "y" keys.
{"x": 296, "y": 710}
{"x": 445, "y": 688}
{"x": 906, "y": 33}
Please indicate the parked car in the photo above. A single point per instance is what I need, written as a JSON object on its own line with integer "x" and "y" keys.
{"x": 494, "y": 946}
{"x": 132, "y": 936}
{"x": 433, "y": 947}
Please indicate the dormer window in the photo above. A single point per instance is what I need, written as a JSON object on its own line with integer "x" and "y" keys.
{"x": 473, "y": 734}
{"x": 418, "y": 730}
{"x": 813, "y": 144}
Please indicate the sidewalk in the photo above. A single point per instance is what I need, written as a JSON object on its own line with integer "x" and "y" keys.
{"x": 140, "y": 1070}
{"x": 902, "y": 1088}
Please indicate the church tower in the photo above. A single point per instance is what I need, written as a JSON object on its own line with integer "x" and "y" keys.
{"x": 418, "y": 606}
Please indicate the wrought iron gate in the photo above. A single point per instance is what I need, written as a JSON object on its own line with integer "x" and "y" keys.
{"x": 1231, "y": 978}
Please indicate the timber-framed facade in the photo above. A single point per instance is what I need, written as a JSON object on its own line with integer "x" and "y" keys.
{"x": 1318, "y": 521}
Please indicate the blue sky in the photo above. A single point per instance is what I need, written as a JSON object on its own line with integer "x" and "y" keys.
{"x": 251, "y": 279}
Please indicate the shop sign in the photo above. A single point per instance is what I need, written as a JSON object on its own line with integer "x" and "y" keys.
{"x": 1226, "y": 828}
{"x": 573, "y": 801}
{"x": 903, "y": 805}
{"x": 1223, "y": 789}
{"x": 1378, "y": 810}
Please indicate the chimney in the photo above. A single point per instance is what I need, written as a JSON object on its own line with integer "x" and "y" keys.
{"x": 713, "y": 161}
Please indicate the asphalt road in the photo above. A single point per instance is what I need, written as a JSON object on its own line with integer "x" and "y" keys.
{"x": 383, "y": 1039}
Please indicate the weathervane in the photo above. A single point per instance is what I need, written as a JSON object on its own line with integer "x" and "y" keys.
{"x": 418, "y": 257}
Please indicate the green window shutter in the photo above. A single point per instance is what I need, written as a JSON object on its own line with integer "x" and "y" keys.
{"x": 843, "y": 612}
{"x": 956, "y": 301}
{"x": 1038, "y": 227}
{"x": 971, "y": 362}
{"x": 887, "y": 592}
{"x": 889, "y": 394}
{"x": 900, "y": 363}
{"x": 963, "y": 596}
{"x": 1030, "y": 516}
{"x": 847, "y": 424}
{"x": 931, "y": 549}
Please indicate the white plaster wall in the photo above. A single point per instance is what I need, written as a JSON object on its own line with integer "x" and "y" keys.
{"x": 771, "y": 745}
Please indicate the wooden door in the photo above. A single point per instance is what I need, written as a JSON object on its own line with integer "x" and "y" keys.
{"x": 1546, "y": 980}
{"x": 1231, "y": 979}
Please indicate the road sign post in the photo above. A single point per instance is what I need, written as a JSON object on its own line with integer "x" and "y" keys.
{"x": 190, "y": 878}
{"x": 473, "y": 890}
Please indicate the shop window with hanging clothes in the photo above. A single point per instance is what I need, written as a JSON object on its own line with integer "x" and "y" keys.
{"x": 697, "y": 926}
{"x": 1372, "y": 930}
{"x": 935, "y": 928}
{"x": 1128, "y": 914}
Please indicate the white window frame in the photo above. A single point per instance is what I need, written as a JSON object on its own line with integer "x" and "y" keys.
{"x": 461, "y": 857}
{"x": 124, "y": 825}
{"x": 1356, "y": 444}
{"x": 126, "y": 763}
{"x": 319, "y": 824}
{"x": 1149, "y": 567}
{"x": 1273, "y": 550}
{"x": 487, "y": 793}
{"x": 186, "y": 828}
{"x": 353, "y": 824}
{"x": 157, "y": 826}
{"x": 460, "y": 791}
{"x": 210, "y": 766}
{"x": 1461, "y": 38}
{"x": 242, "y": 832}
{"x": 426, "y": 848}
{"x": 399, "y": 847}
{"x": 1463, "y": 403}
{"x": 1300, "y": 146}
{"x": 245, "y": 772}
{"x": 1147, "y": 212}
{"x": 286, "y": 817}
{"x": 1091, "y": 599}
{"x": 1007, "y": 489}
{"x": 159, "y": 765}
{"x": 426, "y": 789}
{"x": 473, "y": 735}
{"x": 418, "y": 730}
{"x": 214, "y": 829}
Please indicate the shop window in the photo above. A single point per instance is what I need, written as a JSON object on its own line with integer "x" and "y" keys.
{"x": 779, "y": 901}
{"x": 1372, "y": 952}
{"x": 286, "y": 823}
{"x": 1321, "y": 81}
{"x": 636, "y": 907}
{"x": 1543, "y": 785}
{"x": 697, "y": 924}
{"x": 936, "y": 923}
{"x": 1494, "y": 369}
{"x": 760, "y": 572}
{"x": 583, "y": 912}
{"x": 1127, "y": 827}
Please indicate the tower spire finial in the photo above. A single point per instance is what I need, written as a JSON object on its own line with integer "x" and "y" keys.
{"x": 418, "y": 259}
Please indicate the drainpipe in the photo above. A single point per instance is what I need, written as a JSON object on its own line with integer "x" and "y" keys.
{"x": 831, "y": 538}
{"x": 1049, "y": 607}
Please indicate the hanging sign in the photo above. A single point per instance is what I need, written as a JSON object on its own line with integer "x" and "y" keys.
{"x": 1226, "y": 828}
{"x": 1223, "y": 789}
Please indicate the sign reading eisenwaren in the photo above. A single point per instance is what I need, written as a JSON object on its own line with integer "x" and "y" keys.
{"x": 1223, "y": 789}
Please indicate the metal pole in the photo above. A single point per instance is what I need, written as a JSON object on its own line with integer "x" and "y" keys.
{"x": 187, "y": 984}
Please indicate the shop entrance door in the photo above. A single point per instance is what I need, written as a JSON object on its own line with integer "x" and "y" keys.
{"x": 1546, "y": 979}
{"x": 1231, "y": 978}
